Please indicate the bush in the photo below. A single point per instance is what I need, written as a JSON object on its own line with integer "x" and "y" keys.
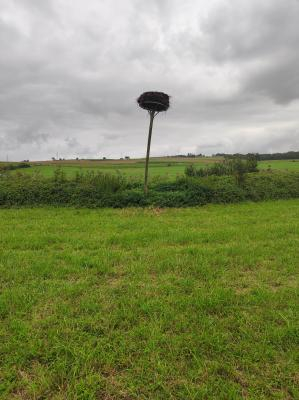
{"x": 235, "y": 167}
{"x": 272, "y": 185}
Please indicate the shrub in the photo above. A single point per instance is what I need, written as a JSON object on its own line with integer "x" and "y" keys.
{"x": 235, "y": 166}
{"x": 251, "y": 163}
{"x": 190, "y": 170}
{"x": 272, "y": 185}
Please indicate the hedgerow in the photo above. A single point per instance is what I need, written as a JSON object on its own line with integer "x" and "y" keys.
{"x": 12, "y": 167}
{"x": 107, "y": 190}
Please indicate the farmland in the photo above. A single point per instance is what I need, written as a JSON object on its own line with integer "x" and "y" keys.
{"x": 166, "y": 168}
{"x": 196, "y": 303}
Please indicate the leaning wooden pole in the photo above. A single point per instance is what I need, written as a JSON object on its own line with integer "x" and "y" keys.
{"x": 152, "y": 116}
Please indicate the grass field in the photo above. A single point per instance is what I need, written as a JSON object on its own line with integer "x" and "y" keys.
{"x": 163, "y": 167}
{"x": 130, "y": 170}
{"x": 290, "y": 165}
{"x": 195, "y": 303}
{"x": 166, "y": 167}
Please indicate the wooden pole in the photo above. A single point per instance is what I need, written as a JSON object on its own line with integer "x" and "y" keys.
{"x": 152, "y": 116}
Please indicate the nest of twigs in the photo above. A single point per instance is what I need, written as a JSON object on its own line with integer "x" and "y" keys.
{"x": 154, "y": 101}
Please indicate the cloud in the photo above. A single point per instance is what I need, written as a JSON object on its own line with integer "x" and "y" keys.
{"x": 70, "y": 73}
{"x": 259, "y": 39}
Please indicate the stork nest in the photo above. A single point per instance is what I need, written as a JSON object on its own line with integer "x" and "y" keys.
{"x": 154, "y": 101}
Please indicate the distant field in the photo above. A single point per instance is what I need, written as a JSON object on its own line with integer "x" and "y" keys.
{"x": 164, "y": 167}
{"x": 156, "y": 169}
{"x": 290, "y": 165}
{"x": 198, "y": 303}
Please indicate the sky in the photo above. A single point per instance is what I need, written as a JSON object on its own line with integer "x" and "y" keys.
{"x": 71, "y": 71}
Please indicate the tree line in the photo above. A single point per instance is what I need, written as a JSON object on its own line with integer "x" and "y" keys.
{"x": 289, "y": 155}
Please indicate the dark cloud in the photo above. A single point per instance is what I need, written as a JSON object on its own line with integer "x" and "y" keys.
{"x": 242, "y": 30}
{"x": 279, "y": 81}
{"x": 70, "y": 73}
{"x": 259, "y": 39}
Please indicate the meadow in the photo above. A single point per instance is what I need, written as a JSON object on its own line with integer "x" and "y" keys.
{"x": 166, "y": 168}
{"x": 194, "y": 303}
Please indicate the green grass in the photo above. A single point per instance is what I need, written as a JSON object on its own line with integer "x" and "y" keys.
{"x": 290, "y": 165}
{"x": 136, "y": 170}
{"x": 197, "y": 303}
{"x": 132, "y": 168}
{"x": 164, "y": 167}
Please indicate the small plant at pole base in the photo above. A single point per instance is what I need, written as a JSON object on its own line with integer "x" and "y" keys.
{"x": 153, "y": 102}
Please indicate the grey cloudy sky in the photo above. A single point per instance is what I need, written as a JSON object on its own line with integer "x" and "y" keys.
{"x": 71, "y": 70}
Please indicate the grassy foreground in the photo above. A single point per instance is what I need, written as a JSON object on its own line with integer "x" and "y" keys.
{"x": 150, "y": 304}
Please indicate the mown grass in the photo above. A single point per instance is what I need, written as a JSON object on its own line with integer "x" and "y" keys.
{"x": 150, "y": 304}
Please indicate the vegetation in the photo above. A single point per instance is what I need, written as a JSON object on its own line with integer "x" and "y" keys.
{"x": 150, "y": 304}
{"x": 231, "y": 180}
{"x": 287, "y": 165}
{"x": 236, "y": 167}
{"x": 227, "y": 182}
{"x": 153, "y": 303}
{"x": 289, "y": 155}
{"x": 167, "y": 168}
{"x": 130, "y": 168}
{"x": 13, "y": 166}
